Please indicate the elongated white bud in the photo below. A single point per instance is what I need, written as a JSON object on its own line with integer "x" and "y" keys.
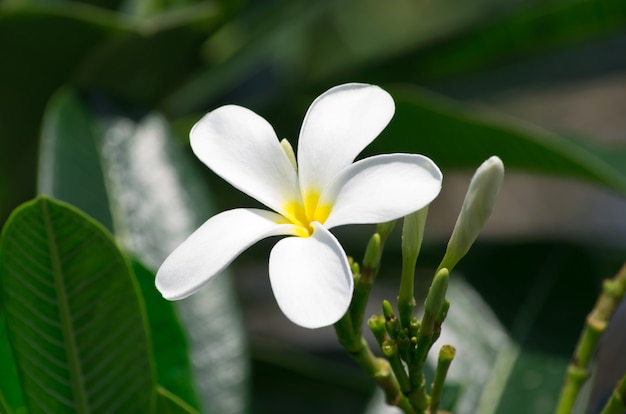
{"x": 477, "y": 206}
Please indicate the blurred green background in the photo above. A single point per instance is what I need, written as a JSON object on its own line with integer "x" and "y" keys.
{"x": 542, "y": 84}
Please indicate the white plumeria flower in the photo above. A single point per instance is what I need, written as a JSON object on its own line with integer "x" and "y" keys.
{"x": 309, "y": 272}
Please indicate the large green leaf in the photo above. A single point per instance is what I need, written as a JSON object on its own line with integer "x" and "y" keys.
{"x": 439, "y": 44}
{"x": 537, "y": 28}
{"x": 74, "y": 318}
{"x": 155, "y": 200}
{"x": 457, "y": 137}
{"x": 69, "y": 159}
{"x": 70, "y": 169}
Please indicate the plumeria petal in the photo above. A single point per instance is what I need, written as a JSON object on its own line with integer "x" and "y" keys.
{"x": 311, "y": 278}
{"x": 213, "y": 247}
{"x": 337, "y": 127}
{"x": 380, "y": 189}
{"x": 242, "y": 148}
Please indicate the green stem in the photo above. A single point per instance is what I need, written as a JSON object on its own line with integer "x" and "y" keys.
{"x": 363, "y": 286}
{"x": 433, "y": 305}
{"x": 362, "y": 290}
{"x": 377, "y": 368}
{"x": 390, "y": 349}
{"x": 617, "y": 402}
{"x": 406, "y": 303}
{"x": 596, "y": 323}
{"x": 418, "y": 396}
{"x": 446, "y": 355}
{"x": 345, "y": 333}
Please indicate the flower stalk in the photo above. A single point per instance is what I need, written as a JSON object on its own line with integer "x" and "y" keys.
{"x": 379, "y": 369}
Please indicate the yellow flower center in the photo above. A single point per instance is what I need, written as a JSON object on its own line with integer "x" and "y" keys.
{"x": 303, "y": 213}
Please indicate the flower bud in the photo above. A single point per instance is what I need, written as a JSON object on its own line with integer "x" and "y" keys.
{"x": 413, "y": 234}
{"x": 289, "y": 152}
{"x": 372, "y": 252}
{"x": 479, "y": 200}
{"x": 437, "y": 293}
{"x": 377, "y": 326}
{"x": 390, "y": 348}
{"x": 388, "y": 310}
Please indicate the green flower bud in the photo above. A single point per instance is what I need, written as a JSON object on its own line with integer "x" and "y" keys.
{"x": 388, "y": 310}
{"x": 446, "y": 353}
{"x": 437, "y": 293}
{"x": 390, "y": 348}
{"x": 372, "y": 252}
{"x": 413, "y": 234}
{"x": 289, "y": 152}
{"x": 377, "y": 326}
{"x": 354, "y": 266}
{"x": 414, "y": 327}
{"x": 479, "y": 200}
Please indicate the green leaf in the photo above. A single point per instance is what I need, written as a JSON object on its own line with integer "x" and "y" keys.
{"x": 156, "y": 199}
{"x": 70, "y": 163}
{"x": 456, "y": 137}
{"x": 168, "y": 339}
{"x": 69, "y": 160}
{"x": 168, "y": 403}
{"x": 530, "y": 30}
{"x": 73, "y": 314}
{"x": 11, "y": 397}
{"x": 446, "y": 41}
